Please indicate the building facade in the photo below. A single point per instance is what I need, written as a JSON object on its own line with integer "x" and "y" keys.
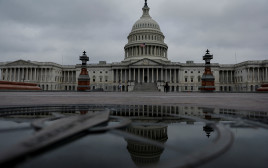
{"x": 145, "y": 65}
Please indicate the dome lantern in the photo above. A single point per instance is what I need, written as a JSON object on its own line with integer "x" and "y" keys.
{"x": 145, "y": 10}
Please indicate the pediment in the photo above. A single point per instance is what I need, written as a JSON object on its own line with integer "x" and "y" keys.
{"x": 146, "y": 62}
{"x": 21, "y": 63}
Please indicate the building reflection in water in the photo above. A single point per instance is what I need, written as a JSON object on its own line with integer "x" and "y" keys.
{"x": 151, "y": 119}
{"x": 144, "y": 154}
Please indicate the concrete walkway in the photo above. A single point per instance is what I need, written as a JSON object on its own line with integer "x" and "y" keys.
{"x": 241, "y": 101}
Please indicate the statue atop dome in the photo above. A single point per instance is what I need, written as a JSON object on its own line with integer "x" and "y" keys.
{"x": 145, "y": 4}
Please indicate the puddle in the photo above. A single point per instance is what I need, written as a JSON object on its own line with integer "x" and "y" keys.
{"x": 135, "y": 136}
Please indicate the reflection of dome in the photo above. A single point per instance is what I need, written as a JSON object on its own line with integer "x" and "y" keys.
{"x": 146, "y": 39}
{"x": 144, "y": 154}
{"x": 208, "y": 129}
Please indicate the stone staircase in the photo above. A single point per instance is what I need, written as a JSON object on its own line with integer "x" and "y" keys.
{"x": 145, "y": 87}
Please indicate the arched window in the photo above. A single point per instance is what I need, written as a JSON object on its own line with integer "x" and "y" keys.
{"x": 94, "y": 78}
{"x": 199, "y": 78}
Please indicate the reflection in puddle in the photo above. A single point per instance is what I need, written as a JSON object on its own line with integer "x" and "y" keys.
{"x": 143, "y": 154}
{"x": 158, "y": 136}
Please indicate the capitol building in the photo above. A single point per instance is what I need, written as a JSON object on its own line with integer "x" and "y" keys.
{"x": 145, "y": 67}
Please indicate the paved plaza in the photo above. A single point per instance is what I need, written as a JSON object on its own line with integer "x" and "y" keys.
{"x": 240, "y": 101}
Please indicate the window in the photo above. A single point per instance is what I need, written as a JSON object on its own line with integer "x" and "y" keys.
{"x": 192, "y": 79}
{"x": 93, "y": 71}
{"x": 192, "y": 72}
{"x": 106, "y": 72}
{"x": 199, "y": 78}
{"x": 100, "y": 71}
{"x": 185, "y": 79}
{"x": 198, "y": 71}
{"x": 185, "y": 72}
{"x": 185, "y": 88}
{"x": 192, "y": 88}
{"x": 94, "y": 78}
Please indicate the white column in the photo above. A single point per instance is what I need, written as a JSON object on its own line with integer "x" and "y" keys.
{"x": 9, "y": 70}
{"x": 50, "y": 76}
{"x": 121, "y": 75}
{"x": 19, "y": 75}
{"x": 148, "y": 77}
{"x": 11, "y": 74}
{"x": 253, "y": 75}
{"x": 231, "y": 81}
{"x": 68, "y": 78}
{"x": 32, "y": 74}
{"x": 162, "y": 78}
{"x": 258, "y": 75}
{"x": 227, "y": 77}
{"x": 178, "y": 76}
{"x": 156, "y": 74}
{"x": 27, "y": 73}
{"x": 248, "y": 75}
{"x": 35, "y": 76}
{"x": 129, "y": 74}
{"x": 170, "y": 76}
{"x": 134, "y": 74}
{"x": 15, "y": 75}
{"x": 166, "y": 75}
{"x": 266, "y": 76}
{"x": 2, "y": 74}
{"x": 6, "y": 73}
{"x": 41, "y": 74}
{"x": 152, "y": 75}
{"x": 138, "y": 75}
{"x": 116, "y": 76}
{"x": 263, "y": 77}
{"x": 175, "y": 75}
{"x": 142, "y": 75}
{"x": 223, "y": 77}
{"x": 125, "y": 76}
{"x": 45, "y": 75}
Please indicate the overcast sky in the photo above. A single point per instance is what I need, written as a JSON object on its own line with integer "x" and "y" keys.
{"x": 60, "y": 30}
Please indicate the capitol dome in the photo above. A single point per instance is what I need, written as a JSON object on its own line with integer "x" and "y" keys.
{"x": 145, "y": 39}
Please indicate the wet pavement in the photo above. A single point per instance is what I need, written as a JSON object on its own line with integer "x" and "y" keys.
{"x": 50, "y": 129}
{"x": 134, "y": 136}
{"x": 243, "y": 101}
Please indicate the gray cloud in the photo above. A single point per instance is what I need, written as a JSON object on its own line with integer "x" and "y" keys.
{"x": 51, "y": 30}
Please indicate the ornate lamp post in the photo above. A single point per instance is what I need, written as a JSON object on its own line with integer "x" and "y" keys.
{"x": 83, "y": 79}
{"x": 208, "y": 80}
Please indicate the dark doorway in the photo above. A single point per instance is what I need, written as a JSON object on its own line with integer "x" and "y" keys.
{"x": 145, "y": 79}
